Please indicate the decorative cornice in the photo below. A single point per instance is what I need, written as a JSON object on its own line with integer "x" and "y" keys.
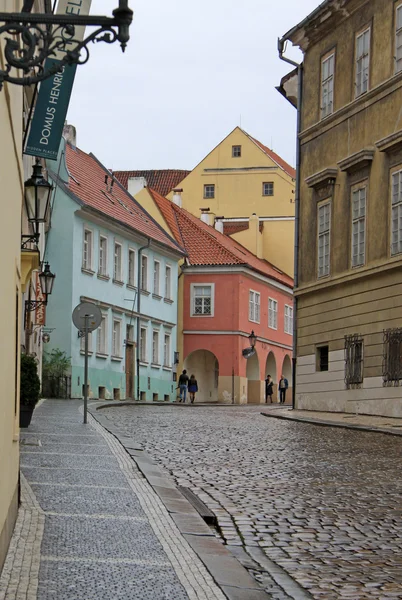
{"x": 358, "y": 160}
{"x": 391, "y": 143}
{"x": 321, "y": 178}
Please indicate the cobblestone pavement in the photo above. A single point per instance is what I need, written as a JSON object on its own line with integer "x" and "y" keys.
{"x": 90, "y": 526}
{"x": 323, "y": 503}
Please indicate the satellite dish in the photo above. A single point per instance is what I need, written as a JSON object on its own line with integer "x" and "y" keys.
{"x": 90, "y": 310}
{"x": 248, "y": 352}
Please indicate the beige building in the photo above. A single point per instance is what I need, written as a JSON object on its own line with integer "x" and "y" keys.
{"x": 349, "y": 280}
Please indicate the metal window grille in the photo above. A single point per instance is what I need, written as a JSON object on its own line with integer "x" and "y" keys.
{"x": 327, "y": 86}
{"x": 353, "y": 360}
{"x": 392, "y": 359}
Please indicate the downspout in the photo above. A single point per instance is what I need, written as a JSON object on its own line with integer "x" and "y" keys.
{"x": 139, "y": 312}
{"x": 281, "y": 48}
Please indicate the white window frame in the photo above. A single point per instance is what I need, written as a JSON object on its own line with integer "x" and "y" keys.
{"x": 193, "y": 297}
{"x": 396, "y": 212}
{"x": 82, "y": 342}
{"x": 208, "y": 194}
{"x": 155, "y": 347}
{"x": 327, "y": 84}
{"x": 116, "y": 338}
{"x": 398, "y": 39}
{"x": 87, "y": 251}
{"x": 143, "y": 347}
{"x": 324, "y": 241}
{"x": 102, "y": 258}
{"x": 270, "y": 190}
{"x": 157, "y": 278}
{"x": 288, "y": 324}
{"x": 359, "y": 213}
{"x": 166, "y": 350}
{"x": 144, "y": 288}
{"x": 117, "y": 266}
{"x": 131, "y": 272}
{"x": 254, "y": 306}
{"x": 272, "y": 313}
{"x": 168, "y": 282}
{"x": 362, "y": 64}
{"x": 102, "y": 348}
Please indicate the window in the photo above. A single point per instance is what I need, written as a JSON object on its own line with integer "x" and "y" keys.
{"x": 254, "y": 306}
{"x": 155, "y": 347}
{"x": 353, "y": 360}
{"x": 272, "y": 313}
{"x": 202, "y": 300}
{"x": 131, "y": 267}
{"x": 236, "y": 151}
{"x": 168, "y": 282}
{"x": 362, "y": 62}
{"x": 116, "y": 343}
{"x": 144, "y": 272}
{"x": 324, "y": 226}
{"x": 358, "y": 226}
{"x": 288, "y": 319}
{"x": 82, "y": 341}
{"x": 117, "y": 275}
{"x": 392, "y": 362}
{"x": 157, "y": 268}
{"x": 396, "y": 213}
{"x": 166, "y": 351}
{"x": 87, "y": 250}
{"x": 143, "y": 344}
{"x": 398, "y": 39}
{"x": 102, "y": 336}
{"x": 268, "y": 188}
{"x": 327, "y": 86}
{"x": 322, "y": 358}
{"x": 209, "y": 191}
{"x": 102, "y": 269}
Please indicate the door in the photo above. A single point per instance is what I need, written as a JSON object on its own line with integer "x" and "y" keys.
{"x": 129, "y": 370}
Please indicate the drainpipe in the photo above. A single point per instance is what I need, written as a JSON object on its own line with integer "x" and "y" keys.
{"x": 299, "y": 66}
{"x": 139, "y": 312}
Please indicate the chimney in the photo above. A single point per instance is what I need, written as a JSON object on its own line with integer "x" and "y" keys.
{"x": 205, "y": 216}
{"x": 70, "y": 134}
{"x": 177, "y": 197}
{"x": 136, "y": 184}
{"x": 219, "y": 224}
{"x": 255, "y": 236}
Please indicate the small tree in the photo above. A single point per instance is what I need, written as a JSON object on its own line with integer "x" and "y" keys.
{"x": 30, "y": 383}
{"x": 55, "y": 363}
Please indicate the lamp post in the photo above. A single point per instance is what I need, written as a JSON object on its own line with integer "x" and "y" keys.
{"x": 46, "y": 279}
{"x": 37, "y": 201}
{"x": 252, "y": 339}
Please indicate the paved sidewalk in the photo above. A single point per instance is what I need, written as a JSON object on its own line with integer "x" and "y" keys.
{"x": 90, "y": 526}
{"x": 391, "y": 425}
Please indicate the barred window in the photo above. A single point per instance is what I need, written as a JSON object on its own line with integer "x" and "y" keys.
{"x": 353, "y": 360}
{"x": 202, "y": 300}
{"x": 392, "y": 360}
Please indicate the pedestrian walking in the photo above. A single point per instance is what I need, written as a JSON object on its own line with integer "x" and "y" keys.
{"x": 192, "y": 388}
{"x": 183, "y": 382}
{"x": 283, "y": 386}
{"x": 269, "y": 389}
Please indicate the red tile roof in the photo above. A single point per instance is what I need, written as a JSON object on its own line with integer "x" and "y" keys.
{"x": 163, "y": 181}
{"x": 207, "y": 246}
{"x": 274, "y": 156}
{"x": 87, "y": 182}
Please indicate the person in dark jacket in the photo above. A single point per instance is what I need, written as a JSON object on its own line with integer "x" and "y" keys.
{"x": 192, "y": 388}
{"x": 183, "y": 381}
{"x": 269, "y": 389}
{"x": 283, "y": 386}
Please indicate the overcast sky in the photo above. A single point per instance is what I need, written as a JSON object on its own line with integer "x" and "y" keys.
{"x": 192, "y": 71}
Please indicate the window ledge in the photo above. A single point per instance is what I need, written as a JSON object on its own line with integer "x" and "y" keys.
{"x": 143, "y": 363}
{"x": 145, "y": 292}
{"x": 155, "y": 366}
{"x": 87, "y": 271}
{"x": 116, "y": 358}
{"x": 274, "y": 328}
{"x": 103, "y": 277}
{"x": 252, "y": 321}
{"x": 131, "y": 286}
{"x": 207, "y": 316}
{"x": 90, "y": 352}
{"x": 101, "y": 355}
{"x": 165, "y": 368}
{"x": 168, "y": 300}
{"x": 118, "y": 282}
{"x": 156, "y": 296}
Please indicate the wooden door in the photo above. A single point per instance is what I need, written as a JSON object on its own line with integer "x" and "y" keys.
{"x": 129, "y": 370}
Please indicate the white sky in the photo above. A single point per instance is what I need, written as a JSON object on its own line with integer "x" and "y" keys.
{"x": 192, "y": 69}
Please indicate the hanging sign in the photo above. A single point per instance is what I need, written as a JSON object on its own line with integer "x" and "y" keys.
{"x": 54, "y": 93}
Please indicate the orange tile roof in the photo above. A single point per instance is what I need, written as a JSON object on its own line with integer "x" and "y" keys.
{"x": 163, "y": 180}
{"x": 87, "y": 183}
{"x": 274, "y": 156}
{"x": 207, "y": 246}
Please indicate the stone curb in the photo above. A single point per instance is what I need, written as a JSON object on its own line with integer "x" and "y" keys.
{"x": 229, "y": 574}
{"x": 118, "y": 403}
{"x": 324, "y": 423}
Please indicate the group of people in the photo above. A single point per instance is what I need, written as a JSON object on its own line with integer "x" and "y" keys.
{"x": 187, "y": 383}
{"x": 269, "y": 389}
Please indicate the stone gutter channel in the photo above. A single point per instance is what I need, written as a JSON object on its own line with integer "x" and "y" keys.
{"x": 228, "y": 565}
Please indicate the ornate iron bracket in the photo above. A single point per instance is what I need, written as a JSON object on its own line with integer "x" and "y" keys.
{"x": 28, "y": 240}
{"x": 36, "y": 37}
{"x": 31, "y": 305}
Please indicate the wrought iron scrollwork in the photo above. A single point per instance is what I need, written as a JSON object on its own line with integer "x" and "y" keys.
{"x": 392, "y": 357}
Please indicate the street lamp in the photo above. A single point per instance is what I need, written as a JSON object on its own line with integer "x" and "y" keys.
{"x": 46, "y": 279}
{"x": 252, "y": 339}
{"x": 37, "y": 195}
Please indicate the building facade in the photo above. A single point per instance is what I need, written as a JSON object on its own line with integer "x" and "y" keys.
{"x": 349, "y": 315}
{"x": 107, "y": 250}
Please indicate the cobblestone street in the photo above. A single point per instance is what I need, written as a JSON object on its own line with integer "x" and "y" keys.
{"x": 322, "y": 503}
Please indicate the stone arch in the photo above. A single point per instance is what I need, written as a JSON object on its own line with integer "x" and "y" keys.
{"x": 253, "y": 380}
{"x": 287, "y": 369}
{"x": 270, "y": 369}
{"x": 205, "y": 366}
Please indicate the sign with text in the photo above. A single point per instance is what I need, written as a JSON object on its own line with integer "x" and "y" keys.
{"x": 54, "y": 94}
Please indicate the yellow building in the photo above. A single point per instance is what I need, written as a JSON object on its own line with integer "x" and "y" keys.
{"x": 349, "y": 306}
